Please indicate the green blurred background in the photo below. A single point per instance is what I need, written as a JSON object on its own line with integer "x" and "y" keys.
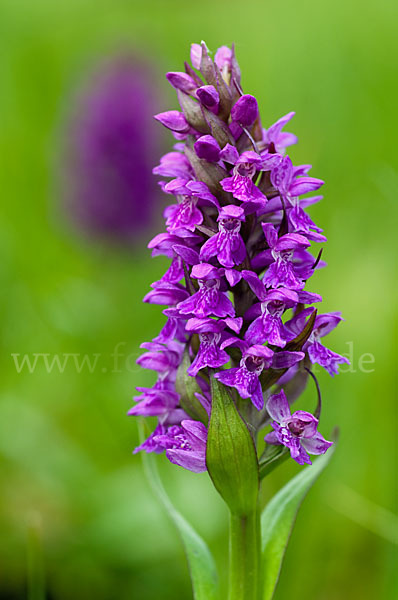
{"x": 71, "y": 491}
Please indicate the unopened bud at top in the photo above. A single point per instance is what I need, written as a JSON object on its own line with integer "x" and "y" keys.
{"x": 223, "y": 58}
{"x": 174, "y": 120}
{"x": 181, "y": 81}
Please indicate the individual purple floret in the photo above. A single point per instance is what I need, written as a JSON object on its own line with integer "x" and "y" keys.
{"x": 210, "y": 353}
{"x": 246, "y": 166}
{"x": 186, "y": 214}
{"x": 255, "y": 359}
{"x": 208, "y": 148}
{"x": 269, "y": 326}
{"x": 209, "y": 300}
{"x": 282, "y": 271}
{"x": 185, "y": 445}
{"x": 238, "y": 241}
{"x": 209, "y": 97}
{"x": 275, "y": 139}
{"x": 297, "y": 431}
{"x": 317, "y": 352}
{"x": 227, "y": 244}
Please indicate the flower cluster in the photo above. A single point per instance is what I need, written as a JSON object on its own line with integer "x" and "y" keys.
{"x": 238, "y": 239}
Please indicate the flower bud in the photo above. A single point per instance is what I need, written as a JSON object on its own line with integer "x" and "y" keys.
{"x": 196, "y": 55}
{"x": 209, "y": 97}
{"x": 206, "y": 147}
{"x": 174, "y": 120}
{"x": 181, "y": 81}
{"x": 223, "y": 58}
{"x": 207, "y": 66}
{"x": 245, "y": 110}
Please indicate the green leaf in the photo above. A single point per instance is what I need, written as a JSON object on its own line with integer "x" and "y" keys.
{"x": 271, "y": 458}
{"x": 200, "y": 561}
{"x": 278, "y": 519}
{"x": 231, "y": 455}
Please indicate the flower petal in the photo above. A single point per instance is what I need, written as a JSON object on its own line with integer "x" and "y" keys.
{"x": 316, "y": 445}
{"x": 278, "y": 407}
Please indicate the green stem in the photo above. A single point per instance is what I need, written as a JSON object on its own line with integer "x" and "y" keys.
{"x": 35, "y": 568}
{"x": 244, "y": 557}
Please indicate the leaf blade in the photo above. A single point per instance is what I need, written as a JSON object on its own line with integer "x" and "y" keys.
{"x": 201, "y": 564}
{"x": 278, "y": 518}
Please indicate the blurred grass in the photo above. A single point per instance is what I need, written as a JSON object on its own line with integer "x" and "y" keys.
{"x": 65, "y": 443}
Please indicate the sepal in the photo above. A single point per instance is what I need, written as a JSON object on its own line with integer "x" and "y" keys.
{"x": 209, "y": 173}
{"x": 207, "y": 67}
{"x": 193, "y": 112}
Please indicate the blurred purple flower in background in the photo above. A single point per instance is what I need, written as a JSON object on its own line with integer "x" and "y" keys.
{"x": 107, "y": 185}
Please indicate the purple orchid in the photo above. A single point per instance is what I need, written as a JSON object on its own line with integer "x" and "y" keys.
{"x": 174, "y": 164}
{"x": 186, "y": 214}
{"x": 173, "y": 329}
{"x": 208, "y": 148}
{"x": 227, "y": 244}
{"x": 282, "y": 272}
{"x": 237, "y": 239}
{"x": 209, "y": 300}
{"x": 268, "y": 327}
{"x": 209, "y": 97}
{"x": 154, "y": 402}
{"x": 210, "y": 353}
{"x": 170, "y": 245}
{"x": 291, "y": 183}
{"x": 277, "y": 140}
{"x": 297, "y": 431}
{"x": 223, "y": 58}
{"x": 181, "y": 81}
{"x": 245, "y": 110}
{"x": 255, "y": 359}
{"x": 166, "y": 294}
{"x": 317, "y": 352}
{"x": 245, "y": 168}
{"x": 185, "y": 445}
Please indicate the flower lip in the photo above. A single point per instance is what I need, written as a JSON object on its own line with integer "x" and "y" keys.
{"x": 230, "y": 225}
{"x": 302, "y": 424}
{"x": 245, "y": 169}
{"x": 254, "y": 364}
